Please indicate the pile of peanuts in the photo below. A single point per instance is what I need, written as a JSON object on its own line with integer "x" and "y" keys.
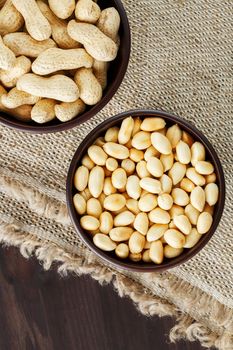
{"x": 145, "y": 191}
{"x": 54, "y": 57}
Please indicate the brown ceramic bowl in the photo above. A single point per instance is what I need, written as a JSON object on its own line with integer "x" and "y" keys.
{"x": 116, "y": 74}
{"x": 111, "y": 257}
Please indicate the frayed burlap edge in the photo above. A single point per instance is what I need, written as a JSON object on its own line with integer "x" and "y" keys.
{"x": 39, "y": 203}
{"x": 186, "y": 327}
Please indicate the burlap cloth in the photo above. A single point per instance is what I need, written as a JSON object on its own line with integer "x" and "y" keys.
{"x": 180, "y": 62}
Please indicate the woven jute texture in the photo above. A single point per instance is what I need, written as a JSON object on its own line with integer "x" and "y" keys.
{"x": 181, "y": 62}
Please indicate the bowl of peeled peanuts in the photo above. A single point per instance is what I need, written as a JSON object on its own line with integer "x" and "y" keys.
{"x": 60, "y": 62}
{"x": 145, "y": 190}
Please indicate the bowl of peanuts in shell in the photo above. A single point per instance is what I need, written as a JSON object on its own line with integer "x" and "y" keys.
{"x": 60, "y": 61}
{"x": 145, "y": 190}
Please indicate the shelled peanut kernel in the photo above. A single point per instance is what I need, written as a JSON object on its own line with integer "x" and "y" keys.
{"x": 146, "y": 191}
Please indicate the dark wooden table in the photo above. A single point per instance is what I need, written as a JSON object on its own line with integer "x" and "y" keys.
{"x": 42, "y": 311}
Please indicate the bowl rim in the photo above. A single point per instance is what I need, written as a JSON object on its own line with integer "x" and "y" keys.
{"x": 134, "y": 266}
{"x": 45, "y": 129}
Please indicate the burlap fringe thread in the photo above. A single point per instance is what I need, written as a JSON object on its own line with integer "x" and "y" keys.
{"x": 39, "y": 203}
{"x": 48, "y": 253}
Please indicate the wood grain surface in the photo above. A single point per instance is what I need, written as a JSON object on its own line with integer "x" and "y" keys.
{"x": 42, "y": 311}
